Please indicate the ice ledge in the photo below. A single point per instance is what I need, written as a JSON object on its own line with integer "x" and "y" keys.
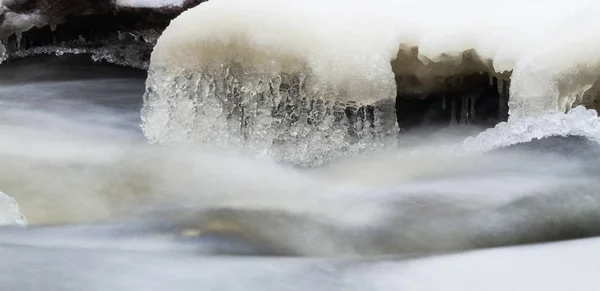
{"x": 115, "y": 31}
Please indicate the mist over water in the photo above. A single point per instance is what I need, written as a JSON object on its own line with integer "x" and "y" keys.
{"x": 63, "y": 121}
{"x": 100, "y": 198}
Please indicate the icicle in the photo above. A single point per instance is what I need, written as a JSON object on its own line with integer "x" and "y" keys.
{"x": 3, "y": 55}
{"x": 491, "y": 79}
{"x": 569, "y": 101}
{"x": 562, "y": 104}
{"x": 500, "y": 86}
{"x": 19, "y": 37}
{"x": 453, "y": 111}
{"x": 464, "y": 110}
{"x": 53, "y": 27}
{"x": 502, "y": 99}
{"x": 472, "y": 108}
{"x": 579, "y": 94}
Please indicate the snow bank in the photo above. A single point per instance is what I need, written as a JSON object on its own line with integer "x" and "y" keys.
{"x": 556, "y": 266}
{"x": 9, "y": 212}
{"x": 552, "y": 267}
{"x": 347, "y": 46}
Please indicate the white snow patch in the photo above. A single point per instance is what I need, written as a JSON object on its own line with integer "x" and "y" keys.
{"x": 9, "y": 212}
{"x": 149, "y": 3}
{"x": 18, "y": 23}
{"x": 553, "y": 47}
{"x": 549, "y": 267}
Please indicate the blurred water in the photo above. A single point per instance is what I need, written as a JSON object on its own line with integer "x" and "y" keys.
{"x": 108, "y": 211}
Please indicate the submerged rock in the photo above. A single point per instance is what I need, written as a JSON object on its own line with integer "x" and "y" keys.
{"x": 9, "y": 212}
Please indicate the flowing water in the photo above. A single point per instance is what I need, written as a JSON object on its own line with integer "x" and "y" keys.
{"x": 108, "y": 211}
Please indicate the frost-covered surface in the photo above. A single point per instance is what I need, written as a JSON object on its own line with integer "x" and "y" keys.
{"x": 578, "y": 122}
{"x": 9, "y": 212}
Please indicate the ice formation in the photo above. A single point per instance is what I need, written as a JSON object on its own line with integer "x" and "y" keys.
{"x": 121, "y": 32}
{"x": 349, "y": 50}
{"x": 577, "y": 122}
{"x": 9, "y": 212}
{"x": 233, "y": 69}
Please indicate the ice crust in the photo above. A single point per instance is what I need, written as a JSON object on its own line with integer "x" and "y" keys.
{"x": 9, "y": 212}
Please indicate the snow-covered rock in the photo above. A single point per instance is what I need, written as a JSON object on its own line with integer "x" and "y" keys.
{"x": 9, "y": 212}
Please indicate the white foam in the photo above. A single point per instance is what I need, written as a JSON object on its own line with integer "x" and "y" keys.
{"x": 348, "y": 45}
{"x": 9, "y": 212}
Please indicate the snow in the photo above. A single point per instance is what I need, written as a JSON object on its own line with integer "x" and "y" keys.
{"x": 552, "y": 48}
{"x": 149, "y": 3}
{"x": 558, "y": 266}
{"x": 17, "y": 23}
{"x": 9, "y": 212}
{"x": 554, "y": 267}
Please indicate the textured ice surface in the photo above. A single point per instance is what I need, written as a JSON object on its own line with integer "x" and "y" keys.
{"x": 128, "y": 55}
{"x": 300, "y": 79}
{"x": 9, "y": 212}
{"x": 274, "y": 116}
{"x": 578, "y": 122}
